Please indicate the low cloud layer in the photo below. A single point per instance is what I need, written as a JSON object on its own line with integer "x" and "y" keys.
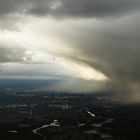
{"x": 13, "y": 54}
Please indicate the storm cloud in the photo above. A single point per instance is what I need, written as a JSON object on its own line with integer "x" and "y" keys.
{"x": 109, "y": 47}
{"x": 82, "y": 35}
{"x": 68, "y": 8}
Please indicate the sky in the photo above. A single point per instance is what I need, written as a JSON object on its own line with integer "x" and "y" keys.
{"x": 95, "y": 41}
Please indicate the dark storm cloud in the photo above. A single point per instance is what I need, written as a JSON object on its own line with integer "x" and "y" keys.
{"x": 96, "y": 8}
{"x": 109, "y": 42}
{"x": 9, "y": 7}
{"x": 66, "y": 8}
{"x": 14, "y": 12}
{"x": 113, "y": 48}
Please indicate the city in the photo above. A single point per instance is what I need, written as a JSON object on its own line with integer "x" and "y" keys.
{"x": 44, "y": 115}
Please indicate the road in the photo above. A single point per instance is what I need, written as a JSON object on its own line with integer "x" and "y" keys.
{"x": 38, "y": 133}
